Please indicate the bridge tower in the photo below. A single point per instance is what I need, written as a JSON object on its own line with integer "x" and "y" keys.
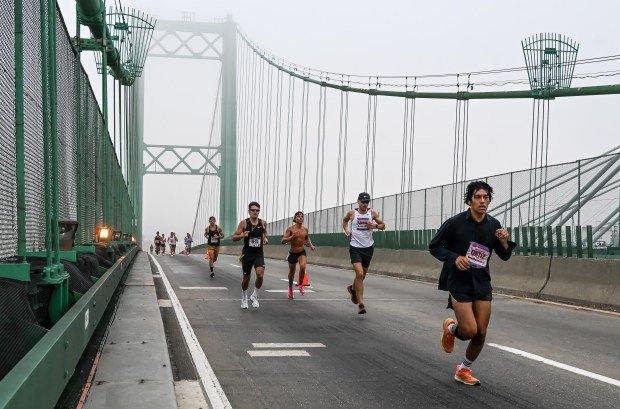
{"x": 206, "y": 41}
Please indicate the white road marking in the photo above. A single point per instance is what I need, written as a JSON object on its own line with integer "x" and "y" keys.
{"x": 164, "y": 303}
{"x": 557, "y": 364}
{"x": 288, "y": 345}
{"x": 212, "y": 386}
{"x": 293, "y": 352}
{"x": 295, "y": 282}
{"x": 234, "y": 265}
{"x": 285, "y": 291}
{"x": 203, "y": 288}
{"x": 156, "y": 276}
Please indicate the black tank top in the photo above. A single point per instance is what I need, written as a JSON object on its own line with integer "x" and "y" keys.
{"x": 211, "y": 241}
{"x": 253, "y": 244}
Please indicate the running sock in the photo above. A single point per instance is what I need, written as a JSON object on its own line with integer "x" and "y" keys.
{"x": 255, "y": 293}
{"x": 466, "y": 364}
{"x": 452, "y": 328}
{"x": 211, "y": 269}
{"x": 244, "y": 294}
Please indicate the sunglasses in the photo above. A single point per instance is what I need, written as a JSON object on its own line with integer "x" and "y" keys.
{"x": 364, "y": 201}
{"x": 255, "y": 210}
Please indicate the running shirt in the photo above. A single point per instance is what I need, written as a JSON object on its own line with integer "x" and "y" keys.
{"x": 157, "y": 240}
{"x": 211, "y": 239}
{"x": 361, "y": 234}
{"x": 172, "y": 240}
{"x": 253, "y": 244}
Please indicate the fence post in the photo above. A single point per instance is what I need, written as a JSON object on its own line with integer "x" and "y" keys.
{"x": 558, "y": 239}
{"x": 569, "y": 242}
{"x": 549, "y": 241}
{"x": 578, "y": 242}
{"x": 589, "y": 241}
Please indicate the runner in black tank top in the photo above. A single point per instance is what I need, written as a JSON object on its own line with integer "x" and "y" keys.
{"x": 253, "y": 231}
{"x": 213, "y": 234}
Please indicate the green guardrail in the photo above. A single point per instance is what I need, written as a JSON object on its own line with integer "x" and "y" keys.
{"x": 39, "y": 378}
{"x": 558, "y": 241}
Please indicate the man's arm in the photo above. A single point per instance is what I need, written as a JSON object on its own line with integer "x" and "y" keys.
{"x": 265, "y": 238}
{"x": 308, "y": 241}
{"x": 378, "y": 222}
{"x": 288, "y": 236}
{"x": 502, "y": 245}
{"x": 437, "y": 246}
{"x": 345, "y": 223}
{"x": 240, "y": 233}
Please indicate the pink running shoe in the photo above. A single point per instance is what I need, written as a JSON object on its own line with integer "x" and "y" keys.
{"x": 300, "y": 287}
{"x": 290, "y": 293}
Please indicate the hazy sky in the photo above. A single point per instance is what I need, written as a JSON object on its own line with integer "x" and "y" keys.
{"x": 386, "y": 38}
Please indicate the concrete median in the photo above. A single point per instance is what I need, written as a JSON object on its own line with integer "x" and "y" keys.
{"x": 581, "y": 281}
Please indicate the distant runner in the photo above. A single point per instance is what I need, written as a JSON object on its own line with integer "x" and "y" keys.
{"x": 363, "y": 222}
{"x": 157, "y": 242}
{"x": 297, "y": 235}
{"x": 253, "y": 231}
{"x": 151, "y": 248}
{"x": 213, "y": 234}
{"x": 465, "y": 243}
{"x": 188, "y": 244}
{"x": 162, "y": 243}
{"x": 172, "y": 240}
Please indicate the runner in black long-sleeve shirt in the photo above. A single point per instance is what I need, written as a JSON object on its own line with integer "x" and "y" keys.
{"x": 465, "y": 243}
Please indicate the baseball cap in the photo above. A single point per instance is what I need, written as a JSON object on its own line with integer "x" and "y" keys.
{"x": 363, "y": 197}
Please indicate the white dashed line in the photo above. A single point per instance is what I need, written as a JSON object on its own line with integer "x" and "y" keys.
{"x": 284, "y": 291}
{"x": 236, "y": 266}
{"x": 557, "y": 364}
{"x": 203, "y": 288}
{"x": 294, "y": 352}
{"x": 289, "y": 345}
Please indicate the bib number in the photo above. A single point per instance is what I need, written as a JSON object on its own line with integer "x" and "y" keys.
{"x": 215, "y": 240}
{"x": 255, "y": 242}
{"x": 478, "y": 255}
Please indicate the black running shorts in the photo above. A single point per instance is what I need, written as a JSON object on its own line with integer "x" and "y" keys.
{"x": 293, "y": 258}
{"x": 249, "y": 261}
{"x": 361, "y": 255}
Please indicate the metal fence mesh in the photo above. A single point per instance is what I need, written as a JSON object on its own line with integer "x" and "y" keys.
{"x": 8, "y": 230}
{"x": 576, "y": 194}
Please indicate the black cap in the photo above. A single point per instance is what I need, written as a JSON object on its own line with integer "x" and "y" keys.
{"x": 363, "y": 197}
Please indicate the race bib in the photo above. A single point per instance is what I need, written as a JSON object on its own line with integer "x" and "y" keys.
{"x": 255, "y": 241}
{"x": 215, "y": 240}
{"x": 478, "y": 255}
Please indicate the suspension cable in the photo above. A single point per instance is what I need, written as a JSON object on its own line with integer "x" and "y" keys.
{"x": 304, "y": 86}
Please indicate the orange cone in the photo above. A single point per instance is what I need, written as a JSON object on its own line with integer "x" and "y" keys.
{"x": 306, "y": 282}
{"x": 207, "y": 256}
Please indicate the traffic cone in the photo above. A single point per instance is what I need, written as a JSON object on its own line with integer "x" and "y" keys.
{"x": 306, "y": 282}
{"x": 207, "y": 256}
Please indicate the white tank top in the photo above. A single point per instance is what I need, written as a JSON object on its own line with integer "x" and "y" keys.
{"x": 361, "y": 235}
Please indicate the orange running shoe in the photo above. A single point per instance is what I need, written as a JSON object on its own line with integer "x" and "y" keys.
{"x": 447, "y": 339}
{"x": 464, "y": 376}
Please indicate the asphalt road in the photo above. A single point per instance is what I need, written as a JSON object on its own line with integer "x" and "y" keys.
{"x": 390, "y": 357}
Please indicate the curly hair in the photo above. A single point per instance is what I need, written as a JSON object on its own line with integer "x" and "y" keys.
{"x": 477, "y": 185}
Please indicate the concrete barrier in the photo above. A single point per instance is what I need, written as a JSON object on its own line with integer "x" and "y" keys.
{"x": 583, "y": 281}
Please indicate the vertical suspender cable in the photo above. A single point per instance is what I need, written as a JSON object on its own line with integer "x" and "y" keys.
{"x": 411, "y": 144}
{"x": 289, "y": 155}
{"x": 279, "y": 139}
{"x": 340, "y": 124}
{"x": 266, "y": 161}
{"x": 404, "y": 161}
{"x": 323, "y": 121}
{"x": 276, "y": 148}
{"x": 318, "y": 146}
{"x": 374, "y": 146}
{"x": 367, "y": 140}
{"x": 305, "y": 148}
{"x": 301, "y": 142}
{"x": 344, "y": 156}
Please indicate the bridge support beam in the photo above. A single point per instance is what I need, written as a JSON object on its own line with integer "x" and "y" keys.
{"x": 228, "y": 169}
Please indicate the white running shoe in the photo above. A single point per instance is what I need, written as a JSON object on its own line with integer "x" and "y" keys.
{"x": 254, "y": 299}
{"x": 244, "y": 303}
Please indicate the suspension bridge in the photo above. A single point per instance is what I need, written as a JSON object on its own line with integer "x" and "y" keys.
{"x": 88, "y": 319}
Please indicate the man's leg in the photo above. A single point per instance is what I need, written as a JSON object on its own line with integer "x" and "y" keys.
{"x": 482, "y": 314}
{"x": 358, "y": 282}
{"x": 260, "y": 271}
{"x": 302, "y": 274}
{"x": 291, "y": 277}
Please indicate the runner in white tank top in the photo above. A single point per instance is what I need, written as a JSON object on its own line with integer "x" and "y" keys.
{"x": 363, "y": 222}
